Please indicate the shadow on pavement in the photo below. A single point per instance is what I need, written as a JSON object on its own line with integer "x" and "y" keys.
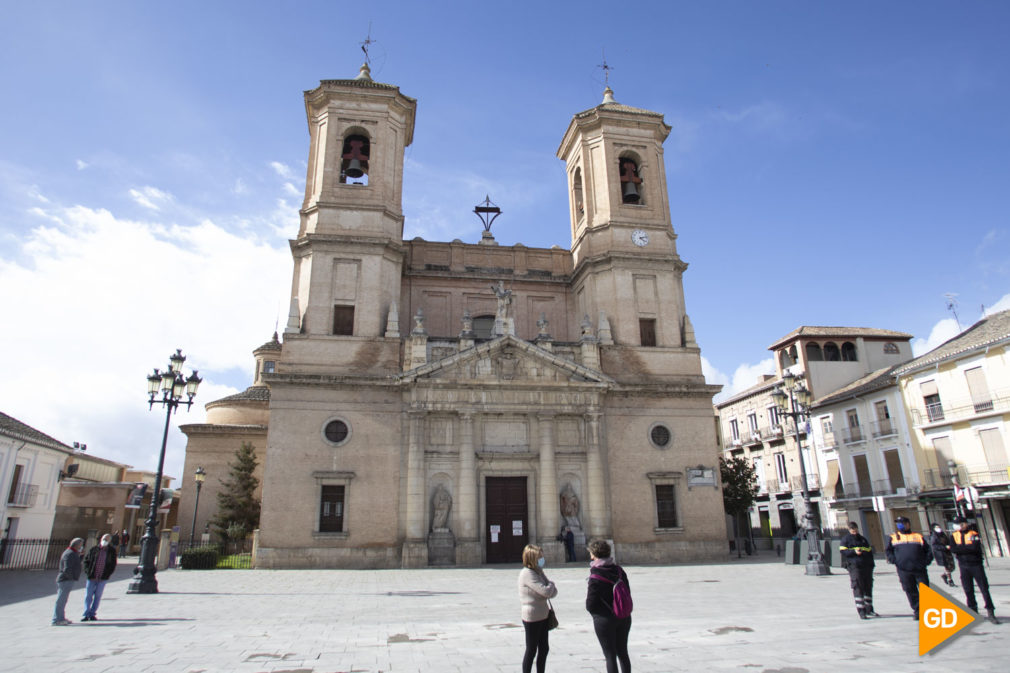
{"x": 26, "y": 585}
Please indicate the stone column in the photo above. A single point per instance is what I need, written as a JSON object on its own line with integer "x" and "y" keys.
{"x": 466, "y": 513}
{"x": 548, "y": 506}
{"x": 597, "y": 495}
{"x": 415, "y": 551}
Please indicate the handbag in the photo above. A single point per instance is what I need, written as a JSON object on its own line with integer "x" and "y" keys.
{"x": 552, "y": 619}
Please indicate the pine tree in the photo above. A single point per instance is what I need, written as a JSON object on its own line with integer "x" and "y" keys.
{"x": 739, "y": 489}
{"x": 238, "y": 510}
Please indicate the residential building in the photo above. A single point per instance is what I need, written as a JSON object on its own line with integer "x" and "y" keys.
{"x": 824, "y": 359}
{"x": 863, "y": 447}
{"x": 31, "y": 464}
{"x": 446, "y": 403}
{"x": 958, "y": 402}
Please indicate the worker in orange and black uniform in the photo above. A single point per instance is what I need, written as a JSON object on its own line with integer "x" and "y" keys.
{"x": 967, "y": 547}
{"x": 911, "y": 554}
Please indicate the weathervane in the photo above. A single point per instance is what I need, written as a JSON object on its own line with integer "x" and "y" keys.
{"x": 487, "y": 212}
{"x": 605, "y": 68}
{"x": 367, "y": 43}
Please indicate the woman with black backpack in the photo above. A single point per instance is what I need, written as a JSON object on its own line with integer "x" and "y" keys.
{"x": 608, "y": 600}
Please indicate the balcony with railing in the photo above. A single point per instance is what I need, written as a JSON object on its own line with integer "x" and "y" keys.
{"x": 884, "y": 428}
{"x": 853, "y": 434}
{"x": 963, "y": 408}
{"x": 775, "y": 486}
{"x": 771, "y": 431}
{"x": 813, "y": 482}
{"x": 860, "y": 489}
{"x": 23, "y": 495}
{"x": 829, "y": 440}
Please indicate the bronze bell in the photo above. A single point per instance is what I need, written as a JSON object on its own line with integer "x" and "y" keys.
{"x": 630, "y": 192}
{"x": 354, "y": 169}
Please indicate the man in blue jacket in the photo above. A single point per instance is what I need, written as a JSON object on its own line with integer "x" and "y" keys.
{"x": 70, "y": 572}
{"x": 910, "y": 552}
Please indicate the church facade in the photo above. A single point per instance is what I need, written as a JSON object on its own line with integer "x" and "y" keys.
{"x": 446, "y": 403}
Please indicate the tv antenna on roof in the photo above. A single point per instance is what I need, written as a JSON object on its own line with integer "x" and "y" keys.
{"x": 367, "y": 43}
{"x": 951, "y": 298}
{"x": 605, "y": 68}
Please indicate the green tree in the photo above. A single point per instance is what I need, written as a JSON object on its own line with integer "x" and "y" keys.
{"x": 739, "y": 490}
{"x": 238, "y": 510}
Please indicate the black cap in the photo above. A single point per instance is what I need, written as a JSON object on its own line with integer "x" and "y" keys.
{"x": 904, "y": 520}
{"x": 959, "y": 519}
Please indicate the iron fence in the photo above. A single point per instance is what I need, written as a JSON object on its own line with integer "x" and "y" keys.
{"x": 31, "y": 553}
{"x": 235, "y": 555}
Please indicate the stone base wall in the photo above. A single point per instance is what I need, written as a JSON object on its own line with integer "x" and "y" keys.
{"x": 368, "y": 558}
{"x": 681, "y": 551}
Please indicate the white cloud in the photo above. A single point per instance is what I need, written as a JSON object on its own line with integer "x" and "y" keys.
{"x": 947, "y": 329}
{"x": 745, "y": 376}
{"x": 81, "y": 165}
{"x": 94, "y": 302}
{"x": 36, "y": 194}
{"x": 291, "y": 190}
{"x": 240, "y": 187}
{"x": 1002, "y": 304}
{"x": 150, "y": 197}
{"x": 765, "y": 114}
{"x": 282, "y": 170}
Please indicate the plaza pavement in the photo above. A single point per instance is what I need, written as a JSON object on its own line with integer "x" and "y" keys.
{"x": 753, "y": 615}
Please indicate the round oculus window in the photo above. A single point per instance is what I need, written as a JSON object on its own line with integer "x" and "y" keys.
{"x": 336, "y": 432}
{"x": 660, "y": 436}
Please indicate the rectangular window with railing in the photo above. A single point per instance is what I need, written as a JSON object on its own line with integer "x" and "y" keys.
{"x": 780, "y": 469}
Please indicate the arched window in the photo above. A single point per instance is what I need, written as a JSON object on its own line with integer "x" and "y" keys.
{"x": 631, "y": 182}
{"x": 848, "y": 352}
{"x": 814, "y": 353}
{"x": 785, "y": 360}
{"x": 831, "y": 353}
{"x": 890, "y": 348}
{"x": 577, "y": 197}
{"x": 354, "y": 159}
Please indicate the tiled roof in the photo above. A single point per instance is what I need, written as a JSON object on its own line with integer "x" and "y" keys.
{"x": 272, "y": 345}
{"x": 12, "y": 427}
{"x": 754, "y": 389}
{"x": 250, "y": 394}
{"x": 839, "y": 333}
{"x": 881, "y": 378}
{"x": 989, "y": 331}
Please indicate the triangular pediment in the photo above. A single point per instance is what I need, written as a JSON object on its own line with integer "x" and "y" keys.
{"x": 506, "y": 358}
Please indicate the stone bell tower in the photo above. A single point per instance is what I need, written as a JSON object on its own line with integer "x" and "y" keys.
{"x": 349, "y": 250}
{"x": 623, "y": 246}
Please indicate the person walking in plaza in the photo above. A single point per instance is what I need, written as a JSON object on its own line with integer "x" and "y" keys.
{"x": 940, "y": 544}
{"x": 124, "y": 543}
{"x": 70, "y": 572}
{"x": 534, "y": 591}
{"x": 967, "y": 546}
{"x": 99, "y": 563}
{"x": 569, "y": 539}
{"x": 910, "y": 552}
{"x": 608, "y": 600}
{"x": 858, "y": 555}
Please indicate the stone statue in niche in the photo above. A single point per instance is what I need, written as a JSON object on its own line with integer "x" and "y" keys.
{"x": 503, "y": 323}
{"x": 441, "y": 503}
{"x": 570, "y": 507}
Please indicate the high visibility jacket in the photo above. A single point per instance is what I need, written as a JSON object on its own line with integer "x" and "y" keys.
{"x": 909, "y": 551}
{"x": 967, "y": 546}
{"x": 850, "y": 545}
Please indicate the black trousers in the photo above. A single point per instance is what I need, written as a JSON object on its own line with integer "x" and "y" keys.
{"x": 970, "y": 575}
{"x": 537, "y": 646}
{"x": 861, "y": 581}
{"x": 613, "y": 636}
{"x": 910, "y": 583}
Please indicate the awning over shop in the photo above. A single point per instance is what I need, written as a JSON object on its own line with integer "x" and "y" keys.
{"x": 831, "y": 483}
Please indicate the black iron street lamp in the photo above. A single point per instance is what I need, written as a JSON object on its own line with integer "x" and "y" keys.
{"x": 792, "y": 398}
{"x": 200, "y": 475}
{"x": 172, "y": 385}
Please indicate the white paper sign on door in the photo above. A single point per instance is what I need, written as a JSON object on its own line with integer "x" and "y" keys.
{"x": 517, "y": 528}
{"x": 494, "y": 537}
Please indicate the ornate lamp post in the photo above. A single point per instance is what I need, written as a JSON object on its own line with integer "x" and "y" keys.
{"x": 172, "y": 385}
{"x": 200, "y": 475}
{"x": 793, "y": 398}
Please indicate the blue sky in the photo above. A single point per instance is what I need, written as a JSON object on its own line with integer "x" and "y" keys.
{"x": 831, "y": 164}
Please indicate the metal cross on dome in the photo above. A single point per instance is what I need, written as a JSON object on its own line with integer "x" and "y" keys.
{"x": 487, "y": 212}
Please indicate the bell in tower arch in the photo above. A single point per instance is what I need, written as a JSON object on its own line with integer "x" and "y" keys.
{"x": 355, "y": 156}
{"x": 629, "y": 181}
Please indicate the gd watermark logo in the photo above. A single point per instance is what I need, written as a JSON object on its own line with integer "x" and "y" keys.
{"x": 940, "y": 619}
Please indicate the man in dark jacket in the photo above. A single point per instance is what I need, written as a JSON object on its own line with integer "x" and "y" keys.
{"x": 98, "y": 566}
{"x": 967, "y": 547}
{"x": 858, "y": 555}
{"x": 70, "y": 572}
{"x": 910, "y": 552}
{"x": 940, "y": 544}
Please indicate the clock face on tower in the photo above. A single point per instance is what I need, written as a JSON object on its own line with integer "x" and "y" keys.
{"x": 640, "y": 238}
